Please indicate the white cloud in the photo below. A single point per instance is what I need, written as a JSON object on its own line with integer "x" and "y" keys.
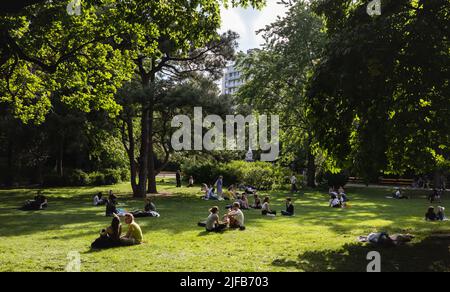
{"x": 247, "y": 21}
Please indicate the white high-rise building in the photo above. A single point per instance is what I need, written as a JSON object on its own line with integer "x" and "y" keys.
{"x": 231, "y": 80}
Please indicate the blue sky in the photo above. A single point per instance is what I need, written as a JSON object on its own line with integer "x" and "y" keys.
{"x": 247, "y": 21}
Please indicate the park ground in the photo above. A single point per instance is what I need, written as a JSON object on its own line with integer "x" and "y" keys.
{"x": 318, "y": 238}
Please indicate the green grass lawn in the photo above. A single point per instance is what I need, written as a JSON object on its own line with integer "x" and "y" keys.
{"x": 318, "y": 238}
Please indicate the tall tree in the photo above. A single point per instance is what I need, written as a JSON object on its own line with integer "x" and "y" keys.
{"x": 170, "y": 38}
{"x": 379, "y": 98}
{"x": 277, "y": 78}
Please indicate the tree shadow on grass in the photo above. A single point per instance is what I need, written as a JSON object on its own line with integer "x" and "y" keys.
{"x": 430, "y": 255}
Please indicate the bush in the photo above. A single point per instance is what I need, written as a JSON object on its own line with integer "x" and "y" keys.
{"x": 262, "y": 175}
{"x": 125, "y": 174}
{"x": 112, "y": 176}
{"x": 97, "y": 178}
{"x": 338, "y": 179}
{"x": 77, "y": 177}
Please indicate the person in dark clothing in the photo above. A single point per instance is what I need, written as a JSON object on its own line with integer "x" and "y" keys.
{"x": 149, "y": 210}
{"x": 431, "y": 215}
{"x": 109, "y": 237}
{"x": 40, "y": 202}
{"x": 178, "y": 178}
{"x": 289, "y": 208}
{"x": 111, "y": 206}
{"x": 434, "y": 196}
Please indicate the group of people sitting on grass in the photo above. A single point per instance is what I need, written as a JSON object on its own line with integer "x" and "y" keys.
{"x": 431, "y": 215}
{"x": 40, "y": 202}
{"x": 338, "y": 198}
{"x": 112, "y": 236}
{"x": 234, "y": 219}
{"x": 111, "y": 206}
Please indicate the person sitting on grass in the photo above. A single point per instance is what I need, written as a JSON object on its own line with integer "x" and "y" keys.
{"x": 235, "y": 217}
{"x": 243, "y": 201}
{"x": 111, "y": 206}
{"x": 231, "y": 194}
{"x": 431, "y": 215}
{"x": 343, "y": 199}
{"x": 266, "y": 211}
{"x": 134, "y": 235}
{"x": 212, "y": 223}
{"x": 191, "y": 182}
{"x": 435, "y": 196}
{"x": 149, "y": 210}
{"x": 398, "y": 195}
{"x": 98, "y": 199}
{"x": 257, "y": 204}
{"x": 332, "y": 192}
{"x": 209, "y": 192}
{"x": 441, "y": 214}
{"x": 289, "y": 208}
{"x": 335, "y": 202}
{"x": 109, "y": 237}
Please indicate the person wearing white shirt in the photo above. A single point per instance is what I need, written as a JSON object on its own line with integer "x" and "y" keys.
{"x": 294, "y": 184}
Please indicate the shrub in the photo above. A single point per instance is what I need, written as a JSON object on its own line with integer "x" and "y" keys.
{"x": 77, "y": 177}
{"x": 112, "y": 176}
{"x": 262, "y": 175}
{"x": 338, "y": 179}
{"x": 97, "y": 178}
{"x": 125, "y": 174}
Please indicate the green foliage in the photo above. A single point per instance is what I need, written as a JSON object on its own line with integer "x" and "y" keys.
{"x": 337, "y": 179}
{"x": 262, "y": 175}
{"x": 379, "y": 97}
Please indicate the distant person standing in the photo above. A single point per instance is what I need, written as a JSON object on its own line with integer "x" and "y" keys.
{"x": 219, "y": 185}
{"x": 294, "y": 184}
{"x": 178, "y": 177}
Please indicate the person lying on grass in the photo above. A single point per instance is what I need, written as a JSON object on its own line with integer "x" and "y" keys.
{"x": 385, "y": 240}
{"x": 149, "y": 210}
{"x": 431, "y": 215}
{"x": 99, "y": 200}
{"x": 109, "y": 237}
{"x": 289, "y": 208}
{"x": 134, "y": 235}
{"x": 266, "y": 211}
{"x": 40, "y": 202}
{"x": 235, "y": 218}
{"x": 257, "y": 203}
{"x": 212, "y": 223}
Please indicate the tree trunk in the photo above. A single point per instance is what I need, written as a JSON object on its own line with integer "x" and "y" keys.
{"x": 128, "y": 129}
{"x": 59, "y": 162}
{"x": 152, "y": 189}
{"x": 311, "y": 173}
{"x": 144, "y": 152}
{"x": 10, "y": 164}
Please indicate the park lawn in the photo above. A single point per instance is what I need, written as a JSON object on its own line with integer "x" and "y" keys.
{"x": 318, "y": 238}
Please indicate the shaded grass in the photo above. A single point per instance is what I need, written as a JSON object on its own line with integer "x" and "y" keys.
{"x": 318, "y": 238}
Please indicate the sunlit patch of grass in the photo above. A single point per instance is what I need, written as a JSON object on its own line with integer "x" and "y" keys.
{"x": 41, "y": 241}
